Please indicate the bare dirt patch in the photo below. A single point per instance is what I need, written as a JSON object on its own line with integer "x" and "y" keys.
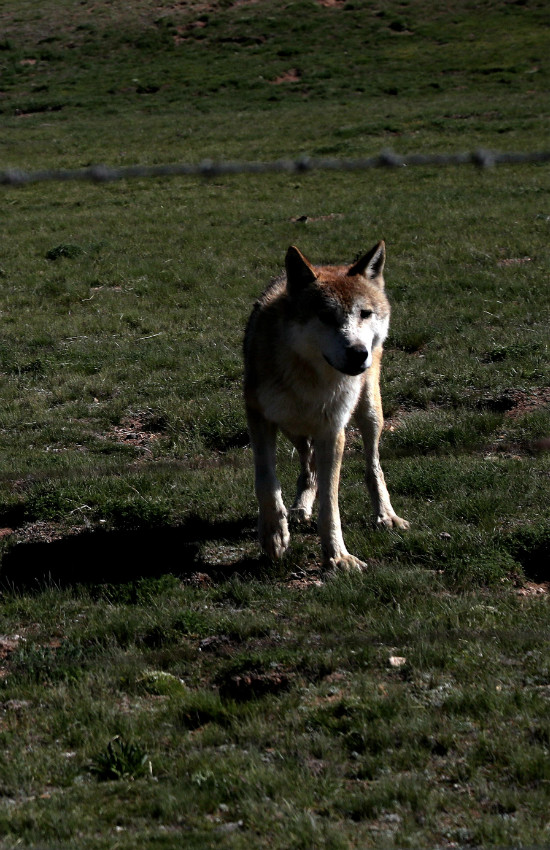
{"x": 513, "y": 404}
{"x": 517, "y": 402}
{"x": 45, "y": 531}
{"x": 140, "y": 430}
{"x": 513, "y": 261}
{"x": 534, "y": 589}
{"x": 218, "y": 553}
{"x": 294, "y": 75}
{"x": 8, "y": 644}
{"x": 254, "y": 684}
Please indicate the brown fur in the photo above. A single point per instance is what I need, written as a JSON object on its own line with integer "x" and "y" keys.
{"x": 313, "y": 350}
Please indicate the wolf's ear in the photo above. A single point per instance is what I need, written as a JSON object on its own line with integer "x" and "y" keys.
{"x": 371, "y": 265}
{"x": 299, "y": 273}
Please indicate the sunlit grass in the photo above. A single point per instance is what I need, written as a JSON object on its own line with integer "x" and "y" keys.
{"x": 160, "y": 683}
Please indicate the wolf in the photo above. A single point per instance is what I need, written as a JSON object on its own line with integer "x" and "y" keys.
{"x": 312, "y": 358}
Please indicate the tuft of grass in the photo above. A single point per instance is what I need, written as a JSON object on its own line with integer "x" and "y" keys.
{"x": 64, "y": 250}
{"x": 120, "y": 760}
{"x": 161, "y": 683}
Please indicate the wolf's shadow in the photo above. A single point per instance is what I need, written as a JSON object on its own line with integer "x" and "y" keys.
{"x": 118, "y": 557}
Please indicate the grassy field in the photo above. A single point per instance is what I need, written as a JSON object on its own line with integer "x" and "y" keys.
{"x": 162, "y": 685}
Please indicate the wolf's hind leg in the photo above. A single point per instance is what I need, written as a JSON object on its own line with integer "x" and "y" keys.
{"x": 306, "y": 488}
{"x": 272, "y": 523}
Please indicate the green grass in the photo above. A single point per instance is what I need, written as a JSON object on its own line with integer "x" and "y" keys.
{"x": 161, "y": 685}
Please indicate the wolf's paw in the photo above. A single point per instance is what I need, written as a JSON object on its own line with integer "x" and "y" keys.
{"x": 274, "y": 536}
{"x": 300, "y": 516}
{"x": 391, "y": 521}
{"x": 346, "y": 563}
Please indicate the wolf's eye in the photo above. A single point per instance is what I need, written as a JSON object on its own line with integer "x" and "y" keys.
{"x": 365, "y": 314}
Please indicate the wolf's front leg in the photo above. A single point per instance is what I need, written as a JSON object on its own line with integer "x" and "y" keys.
{"x": 272, "y": 523}
{"x": 328, "y": 454}
{"x": 369, "y": 418}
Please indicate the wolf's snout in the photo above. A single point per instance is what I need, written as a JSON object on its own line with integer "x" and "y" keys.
{"x": 357, "y": 357}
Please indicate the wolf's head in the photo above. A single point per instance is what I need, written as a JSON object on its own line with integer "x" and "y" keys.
{"x": 342, "y": 312}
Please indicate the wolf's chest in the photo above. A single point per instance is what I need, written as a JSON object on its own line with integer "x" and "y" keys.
{"x": 309, "y": 408}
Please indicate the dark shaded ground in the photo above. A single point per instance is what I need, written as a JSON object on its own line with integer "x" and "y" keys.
{"x": 113, "y": 557}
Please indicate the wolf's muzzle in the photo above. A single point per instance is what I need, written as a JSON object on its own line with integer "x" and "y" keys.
{"x": 356, "y": 360}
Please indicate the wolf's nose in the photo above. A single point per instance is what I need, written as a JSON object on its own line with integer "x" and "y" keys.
{"x": 356, "y": 358}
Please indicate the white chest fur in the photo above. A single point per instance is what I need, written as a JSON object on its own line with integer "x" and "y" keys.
{"x": 311, "y": 404}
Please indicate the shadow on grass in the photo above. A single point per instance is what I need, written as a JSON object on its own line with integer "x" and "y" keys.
{"x": 118, "y": 557}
